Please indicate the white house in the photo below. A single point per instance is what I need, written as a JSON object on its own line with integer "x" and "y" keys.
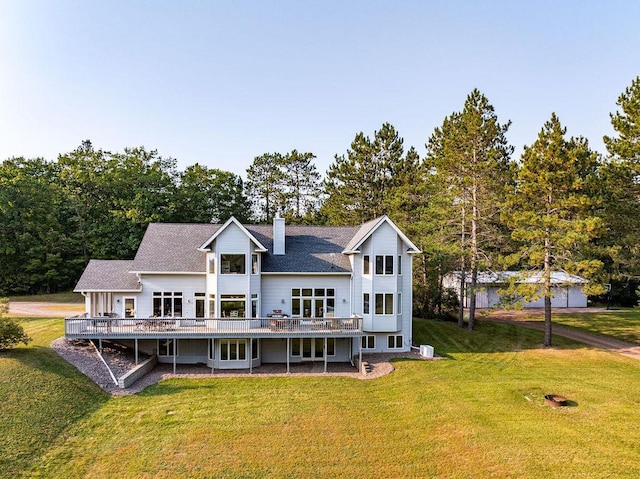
{"x": 567, "y": 288}
{"x": 237, "y": 296}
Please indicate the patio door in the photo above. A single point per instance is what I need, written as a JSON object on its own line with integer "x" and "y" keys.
{"x": 312, "y": 348}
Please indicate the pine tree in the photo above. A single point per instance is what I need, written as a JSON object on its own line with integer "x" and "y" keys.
{"x": 551, "y": 211}
{"x": 469, "y": 157}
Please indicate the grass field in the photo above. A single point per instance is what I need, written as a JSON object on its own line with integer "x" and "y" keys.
{"x": 67, "y": 297}
{"x": 622, "y": 324}
{"x": 479, "y": 412}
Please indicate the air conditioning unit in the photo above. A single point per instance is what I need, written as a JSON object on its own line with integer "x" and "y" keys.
{"x": 426, "y": 351}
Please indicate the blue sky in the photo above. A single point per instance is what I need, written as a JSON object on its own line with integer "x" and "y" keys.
{"x": 221, "y": 82}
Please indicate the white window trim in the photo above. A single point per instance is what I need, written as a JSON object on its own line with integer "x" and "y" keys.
{"x": 384, "y": 265}
{"x": 384, "y": 304}
{"x": 395, "y": 341}
{"x": 367, "y": 342}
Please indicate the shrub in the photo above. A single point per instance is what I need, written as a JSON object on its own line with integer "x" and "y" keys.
{"x": 4, "y": 306}
{"x": 11, "y": 333}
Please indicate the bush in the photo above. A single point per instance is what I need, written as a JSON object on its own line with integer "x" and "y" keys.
{"x": 4, "y": 306}
{"x": 11, "y": 333}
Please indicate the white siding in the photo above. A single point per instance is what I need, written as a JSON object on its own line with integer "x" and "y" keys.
{"x": 188, "y": 285}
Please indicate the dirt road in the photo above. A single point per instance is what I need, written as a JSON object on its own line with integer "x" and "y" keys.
{"x": 44, "y": 310}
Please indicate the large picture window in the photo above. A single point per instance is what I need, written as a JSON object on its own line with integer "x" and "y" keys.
{"x": 232, "y": 305}
{"x": 167, "y": 304}
{"x": 384, "y": 303}
{"x": 232, "y": 264}
{"x": 313, "y": 302}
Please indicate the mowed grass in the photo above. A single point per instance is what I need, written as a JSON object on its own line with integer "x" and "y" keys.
{"x": 66, "y": 297}
{"x": 479, "y": 412}
{"x": 622, "y": 324}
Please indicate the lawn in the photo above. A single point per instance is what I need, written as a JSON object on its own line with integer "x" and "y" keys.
{"x": 479, "y": 412}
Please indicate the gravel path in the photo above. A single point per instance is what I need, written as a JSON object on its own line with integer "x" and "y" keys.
{"x": 83, "y": 356}
{"x": 44, "y": 310}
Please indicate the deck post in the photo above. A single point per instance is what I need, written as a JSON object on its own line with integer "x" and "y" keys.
{"x": 175, "y": 350}
{"x": 250, "y": 355}
{"x": 100, "y": 344}
{"x": 288, "y": 353}
{"x": 325, "y": 354}
{"x": 136, "y": 351}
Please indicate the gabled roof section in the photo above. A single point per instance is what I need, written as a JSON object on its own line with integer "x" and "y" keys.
{"x": 368, "y": 228}
{"x": 173, "y": 248}
{"x": 231, "y": 220}
{"x": 108, "y": 276}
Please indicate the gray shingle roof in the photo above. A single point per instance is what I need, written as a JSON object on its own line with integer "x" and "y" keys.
{"x": 108, "y": 275}
{"x": 173, "y": 247}
{"x": 308, "y": 249}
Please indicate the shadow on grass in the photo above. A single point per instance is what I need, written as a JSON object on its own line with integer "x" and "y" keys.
{"x": 44, "y": 396}
{"x": 487, "y": 337}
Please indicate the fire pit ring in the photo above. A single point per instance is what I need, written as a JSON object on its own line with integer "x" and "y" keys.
{"x": 555, "y": 400}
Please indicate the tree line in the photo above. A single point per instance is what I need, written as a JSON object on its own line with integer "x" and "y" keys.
{"x": 468, "y": 204}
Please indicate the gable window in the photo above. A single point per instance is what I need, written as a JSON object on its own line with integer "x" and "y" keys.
{"x": 368, "y": 342}
{"x": 384, "y": 303}
{"x": 394, "y": 342}
{"x": 167, "y": 304}
{"x": 366, "y": 265}
{"x": 313, "y": 302}
{"x": 384, "y": 264}
{"x": 232, "y": 264}
{"x": 254, "y": 264}
{"x": 365, "y": 303}
{"x": 254, "y": 305}
{"x": 399, "y": 264}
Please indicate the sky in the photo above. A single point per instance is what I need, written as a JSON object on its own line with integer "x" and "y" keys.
{"x": 221, "y": 82}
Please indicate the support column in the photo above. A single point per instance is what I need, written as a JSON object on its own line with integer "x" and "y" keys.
{"x": 136, "y": 351}
{"x": 250, "y": 355}
{"x": 288, "y": 353}
{"x": 325, "y": 354}
{"x": 175, "y": 350}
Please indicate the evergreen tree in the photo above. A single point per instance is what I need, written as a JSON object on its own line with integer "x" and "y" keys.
{"x": 469, "y": 158}
{"x": 265, "y": 186}
{"x": 358, "y": 185}
{"x": 551, "y": 211}
{"x": 301, "y": 184}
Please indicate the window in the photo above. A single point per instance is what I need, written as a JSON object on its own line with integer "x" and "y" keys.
{"x": 366, "y": 267}
{"x": 313, "y": 302}
{"x": 368, "y": 342}
{"x": 232, "y": 305}
{"x": 254, "y": 349}
{"x": 232, "y": 264}
{"x": 233, "y": 349}
{"x": 212, "y": 305}
{"x": 394, "y": 342}
{"x": 200, "y": 298}
{"x": 254, "y": 305}
{"x": 399, "y": 309}
{"x": 254, "y": 264}
{"x": 384, "y": 264}
{"x": 129, "y": 307}
{"x": 167, "y": 347}
{"x": 365, "y": 303}
{"x": 167, "y": 304}
{"x": 295, "y": 347}
{"x": 399, "y": 264}
{"x": 331, "y": 346}
{"x": 212, "y": 349}
{"x": 384, "y": 303}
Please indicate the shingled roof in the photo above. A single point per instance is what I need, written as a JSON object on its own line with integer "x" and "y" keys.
{"x": 175, "y": 248}
{"x": 108, "y": 275}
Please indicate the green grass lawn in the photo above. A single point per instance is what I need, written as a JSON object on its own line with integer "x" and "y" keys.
{"x": 477, "y": 413}
{"x": 622, "y": 324}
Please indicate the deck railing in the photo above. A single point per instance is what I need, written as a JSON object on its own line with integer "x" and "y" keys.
{"x": 84, "y": 326}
